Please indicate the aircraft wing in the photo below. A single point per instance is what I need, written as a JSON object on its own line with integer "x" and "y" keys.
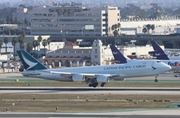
{"x": 68, "y": 74}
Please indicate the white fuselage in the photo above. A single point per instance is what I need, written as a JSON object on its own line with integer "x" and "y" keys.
{"x": 131, "y": 69}
{"x": 175, "y": 64}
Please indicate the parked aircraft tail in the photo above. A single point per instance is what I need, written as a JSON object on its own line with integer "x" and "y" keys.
{"x": 158, "y": 52}
{"x": 117, "y": 54}
{"x": 29, "y": 62}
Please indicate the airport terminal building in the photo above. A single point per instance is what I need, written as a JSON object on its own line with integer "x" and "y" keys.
{"x": 70, "y": 54}
{"x": 73, "y": 20}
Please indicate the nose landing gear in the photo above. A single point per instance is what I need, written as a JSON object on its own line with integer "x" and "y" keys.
{"x": 156, "y": 80}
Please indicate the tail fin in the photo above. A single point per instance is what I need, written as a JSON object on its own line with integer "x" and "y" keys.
{"x": 29, "y": 62}
{"x": 117, "y": 54}
{"x": 158, "y": 52}
{"x": 156, "y": 47}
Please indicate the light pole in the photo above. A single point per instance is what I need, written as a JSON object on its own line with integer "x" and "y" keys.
{"x": 94, "y": 31}
{"x": 82, "y": 30}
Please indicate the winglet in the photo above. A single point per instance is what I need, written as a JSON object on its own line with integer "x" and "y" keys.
{"x": 29, "y": 62}
{"x": 117, "y": 54}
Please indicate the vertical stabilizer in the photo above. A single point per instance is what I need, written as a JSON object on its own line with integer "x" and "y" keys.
{"x": 117, "y": 54}
{"x": 29, "y": 62}
{"x": 158, "y": 52}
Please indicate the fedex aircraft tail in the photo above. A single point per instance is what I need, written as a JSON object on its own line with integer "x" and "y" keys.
{"x": 156, "y": 46}
{"x": 29, "y": 62}
{"x": 158, "y": 52}
{"x": 117, "y": 54}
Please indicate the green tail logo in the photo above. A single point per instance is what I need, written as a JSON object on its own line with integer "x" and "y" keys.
{"x": 29, "y": 62}
{"x": 154, "y": 68}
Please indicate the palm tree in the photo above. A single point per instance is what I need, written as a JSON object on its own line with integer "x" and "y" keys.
{"x": 22, "y": 45}
{"x": 115, "y": 32}
{"x": 29, "y": 47}
{"x": 148, "y": 27}
{"x": 1, "y": 43}
{"x": 44, "y": 43}
{"x": 48, "y": 42}
{"x": 144, "y": 30}
{"x": 113, "y": 27}
{"x": 119, "y": 25}
{"x": 39, "y": 41}
{"x": 14, "y": 41}
{"x": 23, "y": 34}
{"x": 6, "y": 40}
{"x": 21, "y": 41}
{"x": 34, "y": 44}
{"x": 152, "y": 27}
{"x": 39, "y": 38}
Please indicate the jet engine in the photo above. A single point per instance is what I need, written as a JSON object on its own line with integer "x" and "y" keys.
{"x": 102, "y": 79}
{"x": 77, "y": 78}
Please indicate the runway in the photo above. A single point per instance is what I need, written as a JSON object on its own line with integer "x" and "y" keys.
{"x": 88, "y": 90}
{"x": 136, "y": 113}
{"x": 130, "y": 114}
{"x": 10, "y": 77}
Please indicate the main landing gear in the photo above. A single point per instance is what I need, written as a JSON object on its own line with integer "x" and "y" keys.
{"x": 102, "y": 85}
{"x": 94, "y": 84}
{"x": 156, "y": 80}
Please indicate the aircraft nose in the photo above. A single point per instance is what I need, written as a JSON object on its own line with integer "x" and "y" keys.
{"x": 167, "y": 67}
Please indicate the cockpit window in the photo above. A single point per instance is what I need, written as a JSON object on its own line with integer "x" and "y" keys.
{"x": 158, "y": 61}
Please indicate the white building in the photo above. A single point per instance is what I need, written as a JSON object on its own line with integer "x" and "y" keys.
{"x": 164, "y": 26}
{"x": 73, "y": 20}
{"x": 72, "y": 55}
{"x": 139, "y": 51}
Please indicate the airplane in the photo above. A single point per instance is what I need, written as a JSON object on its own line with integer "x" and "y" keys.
{"x": 162, "y": 55}
{"x": 91, "y": 74}
{"x": 158, "y": 52}
{"x": 118, "y": 56}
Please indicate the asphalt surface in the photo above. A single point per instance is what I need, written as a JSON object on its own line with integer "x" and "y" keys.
{"x": 93, "y": 89}
{"x": 9, "y": 77}
{"x": 87, "y": 90}
{"x": 83, "y": 115}
{"x": 168, "y": 113}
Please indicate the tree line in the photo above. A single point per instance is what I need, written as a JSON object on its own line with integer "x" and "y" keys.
{"x": 29, "y": 46}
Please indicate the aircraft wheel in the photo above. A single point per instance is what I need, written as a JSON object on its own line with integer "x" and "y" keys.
{"x": 95, "y": 84}
{"x": 102, "y": 85}
{"x": 156, "y": 80}
{"x": 90, "y": 85}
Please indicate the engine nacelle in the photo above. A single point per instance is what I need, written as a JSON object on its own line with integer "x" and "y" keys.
{"x": 102, "y": 79}
{"x": 77, "y": 78}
